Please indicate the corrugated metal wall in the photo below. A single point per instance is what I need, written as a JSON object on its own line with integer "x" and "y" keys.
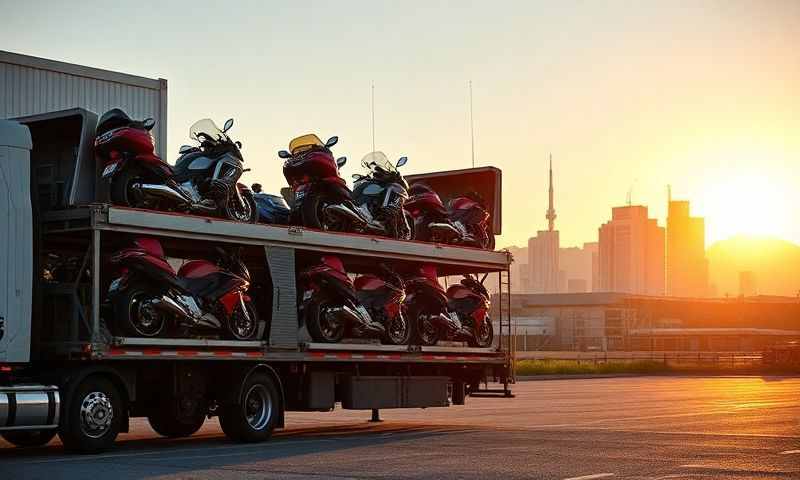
{"x": 31, "y": 86}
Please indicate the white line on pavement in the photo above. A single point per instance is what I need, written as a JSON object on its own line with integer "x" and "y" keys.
{"x": 592, "y": 476}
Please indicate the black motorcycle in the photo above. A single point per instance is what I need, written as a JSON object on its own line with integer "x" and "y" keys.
{"x": 272, "y": 209}
{"x": 380, "y": 197}
{"x": 204, "y": 179}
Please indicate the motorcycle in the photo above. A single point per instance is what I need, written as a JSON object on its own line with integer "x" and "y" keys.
{"x": 329, "y": 305}
{"x": 321, "y": 197}
{"x": 469, "y": 300}
{"x": 426, "y": 308}
{"x": 204, "y": 179}
{"x": 383, "y": 295}
{"x": 465, "y": 222}
{"x": 469, "y": 215}
{"x": 272, "y": 209}
{"x": 430, "y": 217}
{"x": 149, "y": 299}
{"x": 380, "y": 196}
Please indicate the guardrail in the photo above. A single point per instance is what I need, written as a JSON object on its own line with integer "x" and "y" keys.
{"x": 687, "y": 358}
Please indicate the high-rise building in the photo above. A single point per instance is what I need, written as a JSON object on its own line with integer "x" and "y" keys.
{"x": 631, "y": 258}
{"x": 687, "y": 266}
{"x": 577, "y": 263}
{"x": 543, "y": 251}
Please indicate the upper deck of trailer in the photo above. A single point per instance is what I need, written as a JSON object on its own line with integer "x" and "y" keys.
{"x": 451, "y": 259}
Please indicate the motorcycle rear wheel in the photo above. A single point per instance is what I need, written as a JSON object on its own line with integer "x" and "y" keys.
{"x": 121, "y": 190}
{"x": 321, "y": 325}
{"x": 425, "y": 333}
{"x": 135, "y": 317}
{"x": 312, "y": 214}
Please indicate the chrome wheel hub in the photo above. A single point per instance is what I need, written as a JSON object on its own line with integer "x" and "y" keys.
{"x": 258, "y": 407}
{"x": 96, "y": 414}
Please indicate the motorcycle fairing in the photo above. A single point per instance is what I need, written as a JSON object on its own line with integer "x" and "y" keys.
{"x": 272, "y": 208}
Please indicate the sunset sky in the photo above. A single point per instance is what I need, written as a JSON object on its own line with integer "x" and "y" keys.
{"x": 626, "y": 95}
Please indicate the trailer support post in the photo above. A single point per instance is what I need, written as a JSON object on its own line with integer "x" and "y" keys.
{"x": 95, "y": 336}
{"x": 376, "y": 416}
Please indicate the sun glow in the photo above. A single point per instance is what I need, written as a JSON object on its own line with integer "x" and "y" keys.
{"x": 745, "y": 204}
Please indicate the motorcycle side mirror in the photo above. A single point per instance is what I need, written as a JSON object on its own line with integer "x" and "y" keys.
{"x": 401, "y": 161}
{"x": 238, "y": 144}
{"x": 357, "y": 177}
{"x": 185, "y": 149}
{"x": 284, "y": 154}
{"x": 228, "y": 125}
{"x": 332, "y": 141}
{"x": 341, "y": 161}
{"x": 148, "y": 124}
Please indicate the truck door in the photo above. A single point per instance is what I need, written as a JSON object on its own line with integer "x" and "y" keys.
{"x": 16, "y": 243}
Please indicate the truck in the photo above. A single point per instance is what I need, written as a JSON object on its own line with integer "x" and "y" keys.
{"x": 63, "y": 369}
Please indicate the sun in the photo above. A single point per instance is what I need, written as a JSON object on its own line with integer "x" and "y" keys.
{"x": 745, "y": 203}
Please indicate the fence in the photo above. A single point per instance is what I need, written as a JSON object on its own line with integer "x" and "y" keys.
{"x": 676, "y": 358}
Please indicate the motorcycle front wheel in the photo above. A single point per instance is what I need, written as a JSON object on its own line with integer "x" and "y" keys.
{"x": 246, "y": 212}
{"x": 135, "y": 314}
{"x": 243, "y": 325}
{"x": 484, "y": 335}
{"x": 398, "y": 331}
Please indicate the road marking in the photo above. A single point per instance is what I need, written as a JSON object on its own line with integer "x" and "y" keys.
{"x": 592, "y": 476}
{"x": 790, "y": 452}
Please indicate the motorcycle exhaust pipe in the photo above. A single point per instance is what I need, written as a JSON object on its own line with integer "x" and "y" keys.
{"x": 444, "y": 229}
{"x": 352, "y": 317}
{"x": 342, "y": 211}
{"x": 169, "y": 305}
{"x": 155, "y": 190}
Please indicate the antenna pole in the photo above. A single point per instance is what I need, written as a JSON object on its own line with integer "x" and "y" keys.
{"x": 372, "y": 104}
{"x": 471, "y": 125}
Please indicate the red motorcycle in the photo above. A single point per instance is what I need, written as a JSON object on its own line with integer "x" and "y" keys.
{"x": 470, "y": 301}
{"x": 426, "y": 307}
{"x": 321, "y": 197}
{"x": 150, "y": 300}
{"x": 204, "y": 179}
{"x": 383, "y": 295}
{"x": 465, "y": 222}
{"x": 329, "y": 305}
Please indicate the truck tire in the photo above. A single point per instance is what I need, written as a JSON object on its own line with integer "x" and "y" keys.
{"x": 29, "y": 438}
{"x": 168, "y": 422}
{"x": 254, "y": 415}
{"x": 92, "y": 416}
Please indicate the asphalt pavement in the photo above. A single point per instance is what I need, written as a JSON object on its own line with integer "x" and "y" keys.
{"x": 632, "y": 428}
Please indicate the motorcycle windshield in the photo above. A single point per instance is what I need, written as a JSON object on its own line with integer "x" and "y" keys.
{"x": 206, "y": 129}
{"x": 378, "y": 160}
{"x": 305, "y": 142}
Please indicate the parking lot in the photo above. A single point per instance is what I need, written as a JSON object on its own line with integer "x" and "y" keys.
{"x": 635, "y": 427}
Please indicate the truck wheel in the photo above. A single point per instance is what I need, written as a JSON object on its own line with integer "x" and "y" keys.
{"x": 92, "y": 416}
{"x": 167, "y": 421}
{"x": 135, "y": 315}
{"x": 29, "y": 438}
{"x": 254, "y": 415}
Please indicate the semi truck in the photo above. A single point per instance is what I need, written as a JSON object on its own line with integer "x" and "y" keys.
{"x": 64, "y": 370}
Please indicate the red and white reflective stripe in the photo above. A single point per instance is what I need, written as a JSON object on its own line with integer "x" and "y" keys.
{"x": 156, "y": 352}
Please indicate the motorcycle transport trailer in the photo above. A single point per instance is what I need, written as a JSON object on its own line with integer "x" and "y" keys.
{"x": 62, "y": 370}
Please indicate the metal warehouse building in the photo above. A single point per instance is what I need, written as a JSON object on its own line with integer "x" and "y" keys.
{"x": 31, "y": 86}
